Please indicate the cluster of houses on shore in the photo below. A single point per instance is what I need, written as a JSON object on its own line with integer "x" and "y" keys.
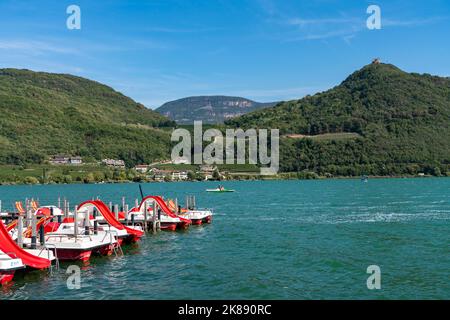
{"x": 114, "y": 163}
{"x": 75, "y": 160}
{"x": 152, "y": 171}
{"x": 66, "y": 160}
{"x": 205, "y": 171}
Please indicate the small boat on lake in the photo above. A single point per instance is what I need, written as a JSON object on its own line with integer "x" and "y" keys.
{"x": 218, "y": 190}
{"x": 197, "y": 216}
{"x": 102, "y": 219}
{"x": 72, "y": 243}
{"x": 169, "y": 220}
{"x": 73, "y": 238}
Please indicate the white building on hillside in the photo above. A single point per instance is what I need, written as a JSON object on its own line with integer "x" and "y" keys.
{"x": 114, "y": 163}
{"x": 142, "y": 168}
{"x": 181, "y": 160}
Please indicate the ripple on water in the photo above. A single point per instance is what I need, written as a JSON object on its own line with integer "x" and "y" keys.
{"x": 269, "y": 240}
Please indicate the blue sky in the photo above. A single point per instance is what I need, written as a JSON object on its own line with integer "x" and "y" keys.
{"x": 160, "y": 50}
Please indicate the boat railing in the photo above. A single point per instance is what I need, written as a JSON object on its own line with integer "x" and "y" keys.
{"x": 67, "y": 235}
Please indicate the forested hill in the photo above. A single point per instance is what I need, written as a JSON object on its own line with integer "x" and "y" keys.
{"x": 209, "y": 109}
{"x": 45, "y": 114}
{"x": 395, "y": 122}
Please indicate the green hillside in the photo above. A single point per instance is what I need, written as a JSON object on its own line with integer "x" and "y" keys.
{"x": 209, "y": 109}
{"x": 45, "y": 114}
{"x": 379, "y": 121}
{"x": 401, "y": 123}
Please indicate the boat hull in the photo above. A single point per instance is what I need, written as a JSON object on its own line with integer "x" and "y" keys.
{"x": 6, "y": 276}
{"x": 73, "y": 254}
{"x": 197, "y": 222}
{"x": 132, "y": 239}
{"x": 207, "y": 219}
{"x": 183, "y": 225}
{"x": 104, "y": 250}
{"x": 169, "y": 226}
{"x": 198, "y": 217}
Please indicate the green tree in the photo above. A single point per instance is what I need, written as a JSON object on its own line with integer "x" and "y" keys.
{"x": 99, "y": 176}
{"x": 116, "y": 174}
{"x": 89, "y": 178}
{"x": 30, "y": 180}
{"x": 437, "y": 172}
{"x": 216, "y": 175}
{"x": 191, "y": 176}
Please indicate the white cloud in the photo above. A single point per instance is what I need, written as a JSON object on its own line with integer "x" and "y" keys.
{"x": 346, "y": 28}
{"x": 178, "y": 30}
{"x": 344, "y": 33}
{"x": 412, "y": 22}
{"x": 305, "y": 22}
{"x": 34, "y": 47}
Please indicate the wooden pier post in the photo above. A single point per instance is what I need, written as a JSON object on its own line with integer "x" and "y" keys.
{"x": 94, "y": 214}
{"x": 75, "y": 222}
{"x": 125, "y": 211}
{"x": 86, "y": 223}
{"x": 42, "y": 235}
{"x": 116, "y": 211}
{"x": 145, "y": 216}
{"x": 28, "y": 214}
{"x": 33, "y": 231}
{"x": 59, "y": 218}
{"x": 154, "y": 227}
{"x": 20, "y": 231}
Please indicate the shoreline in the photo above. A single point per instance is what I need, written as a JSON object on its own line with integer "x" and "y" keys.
{"x": 253, "y": 178}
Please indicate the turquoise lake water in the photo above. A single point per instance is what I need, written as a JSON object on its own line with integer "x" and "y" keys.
{"x": 269, "y": 240}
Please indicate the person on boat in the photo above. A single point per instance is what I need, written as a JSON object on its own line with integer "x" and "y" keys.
{"x": 221, "y": 188}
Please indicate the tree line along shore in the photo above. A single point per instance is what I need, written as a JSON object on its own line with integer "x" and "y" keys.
{"x": 90, "y": 174}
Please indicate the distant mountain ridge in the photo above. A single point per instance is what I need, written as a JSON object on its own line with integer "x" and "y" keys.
{"x": 209, "y": 109}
